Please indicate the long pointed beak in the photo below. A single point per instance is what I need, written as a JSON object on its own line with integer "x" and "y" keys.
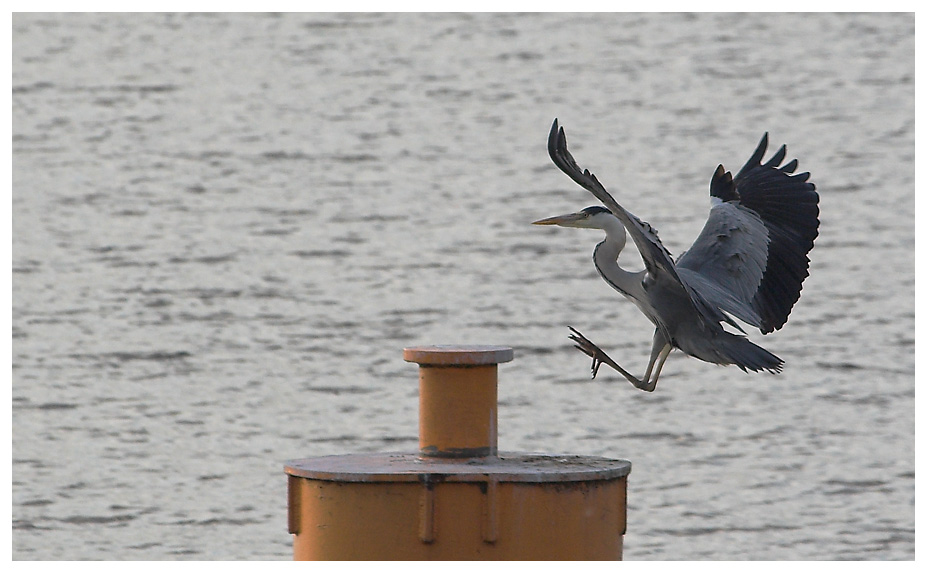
{"x": 560, "y": 219}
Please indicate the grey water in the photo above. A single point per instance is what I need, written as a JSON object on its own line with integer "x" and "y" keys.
{"x": 225, "y": 228}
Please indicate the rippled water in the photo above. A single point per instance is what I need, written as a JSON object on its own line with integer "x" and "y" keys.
{"x": 226, "y": 227}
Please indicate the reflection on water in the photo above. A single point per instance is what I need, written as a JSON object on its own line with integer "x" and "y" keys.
{"x": 226, "y": 227}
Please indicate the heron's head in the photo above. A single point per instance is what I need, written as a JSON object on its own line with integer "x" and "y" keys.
{"x": 594, "y": 217}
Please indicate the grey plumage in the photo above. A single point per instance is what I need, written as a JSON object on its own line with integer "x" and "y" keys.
{"x": 757, "y": 238}
{"x": 748, "y": 262}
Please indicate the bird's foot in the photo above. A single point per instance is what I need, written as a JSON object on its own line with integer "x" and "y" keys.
{"x": 591, "y": 350}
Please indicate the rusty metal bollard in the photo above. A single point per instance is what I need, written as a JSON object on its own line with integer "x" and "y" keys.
{"x": 457, "y": 498}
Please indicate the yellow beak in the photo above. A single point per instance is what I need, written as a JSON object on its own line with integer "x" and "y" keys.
{"x": 561, "y": 220}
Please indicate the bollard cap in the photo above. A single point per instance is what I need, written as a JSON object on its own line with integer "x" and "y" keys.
{"x": 511, "y": 467}
{"x": 458, "y": 355}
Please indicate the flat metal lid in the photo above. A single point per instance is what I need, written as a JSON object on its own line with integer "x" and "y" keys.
{"x": 458, "y": 355}
{"x": 506, "y": 467}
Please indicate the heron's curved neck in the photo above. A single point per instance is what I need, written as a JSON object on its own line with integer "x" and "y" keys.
{"x": 606, "y": 261}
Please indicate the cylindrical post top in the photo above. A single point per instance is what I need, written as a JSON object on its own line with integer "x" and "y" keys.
{"x": 457, "y": 399}
{"x": 458, "y": 355}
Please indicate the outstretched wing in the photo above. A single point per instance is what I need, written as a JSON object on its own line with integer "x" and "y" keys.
{"x": 657, "y": 259}
{"x": 752, "y": 254}
{"x": 661, "y": 270}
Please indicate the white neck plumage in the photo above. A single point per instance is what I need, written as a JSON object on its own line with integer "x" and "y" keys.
{"x": 606, "y": 260}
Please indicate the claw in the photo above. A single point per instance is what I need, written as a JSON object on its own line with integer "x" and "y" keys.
{"x": 590, "y": 350}
{"x": 599, "y": 357}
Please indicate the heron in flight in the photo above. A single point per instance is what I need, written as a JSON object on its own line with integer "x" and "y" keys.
{"x": 748, "y": 262}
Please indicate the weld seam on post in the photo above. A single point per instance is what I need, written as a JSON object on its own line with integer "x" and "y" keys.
{"x": 490, "y": 527}
{"x": 427, "y": 523}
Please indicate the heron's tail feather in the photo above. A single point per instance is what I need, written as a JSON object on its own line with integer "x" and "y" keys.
{"x": 748, "y": 356}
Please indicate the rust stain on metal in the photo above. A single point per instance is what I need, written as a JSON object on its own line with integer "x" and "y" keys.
{"x": 465, "y": 453}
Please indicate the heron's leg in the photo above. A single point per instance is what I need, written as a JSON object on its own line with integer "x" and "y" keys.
{"x": 599, "y": 357}
{"x": 597, "y": 354}
{"x": 658, "y": 356}
{"x": 661, "y": 350}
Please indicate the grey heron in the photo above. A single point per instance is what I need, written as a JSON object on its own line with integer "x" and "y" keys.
{"x": 748, "y": 262}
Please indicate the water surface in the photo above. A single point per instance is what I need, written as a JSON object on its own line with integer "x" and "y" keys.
{"x": 227, "y": 227}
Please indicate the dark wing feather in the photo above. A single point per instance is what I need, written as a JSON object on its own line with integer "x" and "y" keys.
{"x": 762, "y": 201}
{"x": 657, "y": 259}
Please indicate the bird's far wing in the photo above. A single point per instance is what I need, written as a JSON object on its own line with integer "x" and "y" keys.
{"x": 725, "y": 264}
{"x": 752, "y": 254}
{"x": 656, "y": 258}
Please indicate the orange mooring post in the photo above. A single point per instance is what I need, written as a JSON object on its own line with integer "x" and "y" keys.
{"x": 457, "y": 497}
{"x": 457, "y": 397}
